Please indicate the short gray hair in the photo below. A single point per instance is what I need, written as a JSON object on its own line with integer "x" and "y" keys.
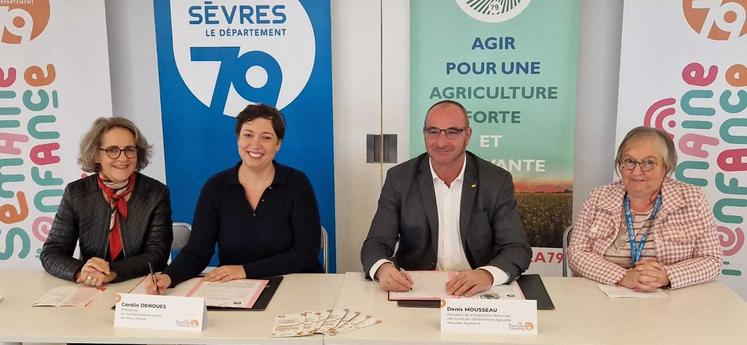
{"x": 666, "y": 145}
{"x": 89, "y": 144}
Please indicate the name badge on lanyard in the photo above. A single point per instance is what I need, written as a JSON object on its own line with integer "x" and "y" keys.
{"x": 637, "y": 250}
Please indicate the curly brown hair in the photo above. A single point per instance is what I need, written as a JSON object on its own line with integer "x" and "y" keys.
{"x": 89, "y": 144}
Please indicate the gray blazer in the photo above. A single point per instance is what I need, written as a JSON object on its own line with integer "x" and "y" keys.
{"x": 83, "y": 217}
{"x": 490, "y": 228}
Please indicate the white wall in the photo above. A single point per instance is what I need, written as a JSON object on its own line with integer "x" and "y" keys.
{"x": 369, "y": 99}
{"x": 356, "y": 80}
{"x": 134, "y": 73}
{"x": 596, "y": 105}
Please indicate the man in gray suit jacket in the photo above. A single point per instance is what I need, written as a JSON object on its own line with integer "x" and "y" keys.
{"x": 449, "y": 210}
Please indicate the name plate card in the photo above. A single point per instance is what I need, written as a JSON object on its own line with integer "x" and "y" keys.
{"x": 160, "y": 312}
{"x": 464, "y": 315}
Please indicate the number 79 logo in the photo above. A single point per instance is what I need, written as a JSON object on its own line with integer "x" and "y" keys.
{"x": 717, "y": 20}
{"x": 22, "y": 21}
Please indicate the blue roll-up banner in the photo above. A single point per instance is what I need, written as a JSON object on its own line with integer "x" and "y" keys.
{"x": 214, "y": 58}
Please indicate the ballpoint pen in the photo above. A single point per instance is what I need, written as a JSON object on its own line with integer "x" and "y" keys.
{"x": 404, "y": 275}
{"x": 153, "y": 276}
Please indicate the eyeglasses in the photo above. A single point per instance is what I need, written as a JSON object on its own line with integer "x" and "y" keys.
{"x": 114, "y": 152}
{"x": 646, "y": 164}
{"x": 451, "y": 132}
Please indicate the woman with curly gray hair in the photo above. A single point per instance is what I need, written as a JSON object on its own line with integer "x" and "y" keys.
{"x": 120, "y": 218}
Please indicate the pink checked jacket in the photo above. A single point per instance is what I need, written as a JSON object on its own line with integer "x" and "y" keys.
{"x": 684, "y": 232}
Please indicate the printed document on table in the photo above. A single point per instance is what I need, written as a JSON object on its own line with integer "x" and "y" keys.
{"x": 288, "y": 325}
{"x": 69, "y": 296}
{"x": 623, "y": 292}
{"x": 431, "y": 286}
{"x": 240, "y": 293}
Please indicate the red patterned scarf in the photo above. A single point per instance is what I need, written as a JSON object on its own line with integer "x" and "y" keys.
{"x": 115, "y": 194}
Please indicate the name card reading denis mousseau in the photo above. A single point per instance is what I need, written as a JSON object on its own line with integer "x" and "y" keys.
{"x": 160, "y": 312}
{"x": 470, "y": 315}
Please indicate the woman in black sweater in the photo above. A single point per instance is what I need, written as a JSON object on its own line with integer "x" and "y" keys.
{"x": 262, "y": 215}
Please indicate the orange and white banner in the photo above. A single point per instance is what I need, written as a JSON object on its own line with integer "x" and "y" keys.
{"x": 682, "y": 69}
{"x": 54, "y": 80}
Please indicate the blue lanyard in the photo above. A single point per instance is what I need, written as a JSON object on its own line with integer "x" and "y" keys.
{"x": 637, "y": 250}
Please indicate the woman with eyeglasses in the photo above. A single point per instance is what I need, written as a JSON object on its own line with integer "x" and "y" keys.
{"x": 646, "y": 231}
{"x": 120, "y": 218}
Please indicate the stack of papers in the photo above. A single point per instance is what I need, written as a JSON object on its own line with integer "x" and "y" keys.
{"x": 327, "y": 322}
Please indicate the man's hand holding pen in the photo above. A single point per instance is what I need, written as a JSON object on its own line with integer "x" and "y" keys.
{"x": 392, "y": 279}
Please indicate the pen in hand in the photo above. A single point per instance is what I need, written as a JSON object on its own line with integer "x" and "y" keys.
{"x": 153, "y": 276}
{"x": 405, "y": 275}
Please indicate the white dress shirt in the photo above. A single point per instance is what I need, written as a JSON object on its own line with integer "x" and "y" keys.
{"x": 450, "y": 255}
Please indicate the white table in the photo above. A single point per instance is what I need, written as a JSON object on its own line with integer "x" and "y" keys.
{"x": 704, "y": 314}
{"x": 19, "y": 322}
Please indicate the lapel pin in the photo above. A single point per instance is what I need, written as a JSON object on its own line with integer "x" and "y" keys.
{"x": 473, "y": 186}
